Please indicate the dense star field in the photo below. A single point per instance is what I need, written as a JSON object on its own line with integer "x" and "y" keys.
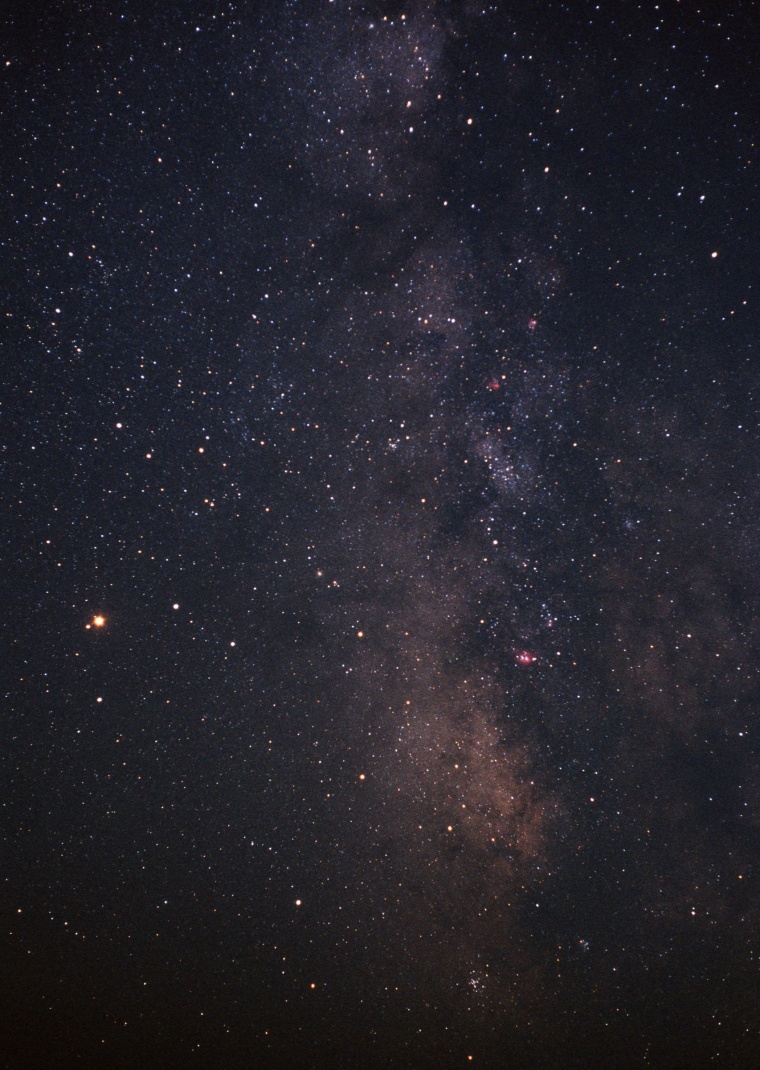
{"x": 381, "y": 538}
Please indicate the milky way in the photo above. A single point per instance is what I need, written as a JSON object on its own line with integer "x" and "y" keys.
{"x": 384, "y": 654}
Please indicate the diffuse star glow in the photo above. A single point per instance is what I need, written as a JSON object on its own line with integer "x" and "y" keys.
{"x": 416, "y": 725}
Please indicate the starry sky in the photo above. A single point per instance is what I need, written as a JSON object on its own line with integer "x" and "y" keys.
{"x": 379, "y": 442}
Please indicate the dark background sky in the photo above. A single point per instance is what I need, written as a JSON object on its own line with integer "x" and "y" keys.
{"x": 385, "y": 376}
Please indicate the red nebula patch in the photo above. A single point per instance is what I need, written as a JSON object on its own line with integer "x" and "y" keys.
{"x": 493, "y": 384}
{"x": 525, "y": 657}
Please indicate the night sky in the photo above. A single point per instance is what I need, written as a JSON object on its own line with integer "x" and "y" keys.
{"x": 381, "y": 541}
